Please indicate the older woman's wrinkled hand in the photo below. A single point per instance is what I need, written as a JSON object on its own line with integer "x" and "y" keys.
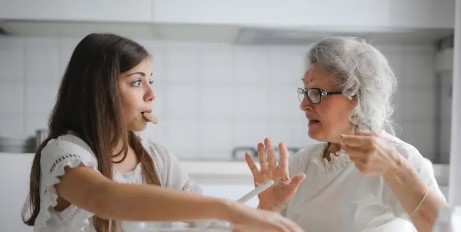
{"x": 275, "y": 197}
{"x": 371, "y": 153}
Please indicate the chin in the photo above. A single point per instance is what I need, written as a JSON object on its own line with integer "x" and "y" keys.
{"x": 314, "y": 135}
{"x": 317, "y": 135}
{"x": 137, "y": 127}
{"x": 141, "y": 128}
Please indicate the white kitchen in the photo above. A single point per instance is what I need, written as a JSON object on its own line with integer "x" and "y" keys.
{"x": 225, "y": 77}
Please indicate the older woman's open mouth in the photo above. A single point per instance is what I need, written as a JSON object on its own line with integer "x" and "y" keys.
{"x": 313, "y": 122}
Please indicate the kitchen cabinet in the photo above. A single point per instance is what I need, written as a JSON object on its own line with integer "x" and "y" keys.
{"x": 225, "y": 21}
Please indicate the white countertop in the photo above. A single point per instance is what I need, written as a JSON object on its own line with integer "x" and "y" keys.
{"x": 231, "y": 167}
{"x": 217, "y": 167}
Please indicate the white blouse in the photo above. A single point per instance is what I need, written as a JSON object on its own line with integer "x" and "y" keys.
{"x": 335, "y": 196}
{"x": 71, "y": 151}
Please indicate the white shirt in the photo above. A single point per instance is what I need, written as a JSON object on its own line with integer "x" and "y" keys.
{"x": 335, "y": 196}
{"x": 70, "y": 151}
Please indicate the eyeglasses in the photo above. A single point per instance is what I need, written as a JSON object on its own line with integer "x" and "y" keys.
{"x": 314, "y": 95}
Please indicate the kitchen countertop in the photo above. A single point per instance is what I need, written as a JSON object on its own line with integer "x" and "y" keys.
{"x": 229, "y": 179}
{"x": 236, "y": 168}
{"x": 217, "y": 167}
{"x": 239, "y": 171}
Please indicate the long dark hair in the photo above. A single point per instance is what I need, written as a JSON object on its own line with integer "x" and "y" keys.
{"x": 88, "y": 105}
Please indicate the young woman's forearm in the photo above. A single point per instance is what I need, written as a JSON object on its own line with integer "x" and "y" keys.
{"x": 93, "y": 192}
{"x": 148, "y": 203}
{"x": 411, "y": 191}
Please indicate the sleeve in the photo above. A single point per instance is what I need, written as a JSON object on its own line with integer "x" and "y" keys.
{"x": 425, "y": 172}
{"x": 64, "y": 151}
{"x": 170, "y": 171}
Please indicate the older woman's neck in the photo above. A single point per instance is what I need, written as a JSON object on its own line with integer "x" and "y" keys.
{"x": 331, "y": 148}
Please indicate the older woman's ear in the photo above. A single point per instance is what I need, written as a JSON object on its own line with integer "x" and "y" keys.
{"x": 353, "y": 99}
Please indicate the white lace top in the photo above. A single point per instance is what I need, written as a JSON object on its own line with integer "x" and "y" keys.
{"x": 70, "y": 151}
{"x": 336, "y": 197}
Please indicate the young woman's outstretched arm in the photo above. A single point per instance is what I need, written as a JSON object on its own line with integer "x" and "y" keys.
{"x": 90, "y": 190}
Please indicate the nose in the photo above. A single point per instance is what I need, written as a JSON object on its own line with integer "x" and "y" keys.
{"x": 149, "y": 94}
{"x": 305, "y": 105}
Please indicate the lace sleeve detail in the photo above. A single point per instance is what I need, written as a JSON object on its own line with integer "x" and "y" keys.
{"x": 63, "y": 158}
{"x": 191, "y": 186}
{"x": 64, "y": 151}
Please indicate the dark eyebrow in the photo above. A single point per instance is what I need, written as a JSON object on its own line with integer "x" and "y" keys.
{"x": 140, "y": 73}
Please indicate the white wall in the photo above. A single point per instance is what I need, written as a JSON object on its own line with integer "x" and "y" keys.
{"x": 455, "y": 157}
{"x": 211, "y": 97}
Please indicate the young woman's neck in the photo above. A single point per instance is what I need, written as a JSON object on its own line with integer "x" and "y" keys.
{"x": 117, "y": 149}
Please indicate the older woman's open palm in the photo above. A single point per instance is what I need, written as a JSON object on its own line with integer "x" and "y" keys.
{"x": 275, "y": 197}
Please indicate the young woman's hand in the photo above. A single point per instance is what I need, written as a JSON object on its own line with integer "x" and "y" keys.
{"x": 370, "y": 153}
{"x": 249, "y": 219}
{"x": 276, "y": 196}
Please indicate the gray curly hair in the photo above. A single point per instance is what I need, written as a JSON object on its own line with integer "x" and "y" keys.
{"x": 363, "y": 74}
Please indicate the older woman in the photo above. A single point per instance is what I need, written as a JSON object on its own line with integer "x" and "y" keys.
{"x": 351, "y": 174}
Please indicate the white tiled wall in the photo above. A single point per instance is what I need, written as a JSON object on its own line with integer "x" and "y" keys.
{"x": 211, "y": 97}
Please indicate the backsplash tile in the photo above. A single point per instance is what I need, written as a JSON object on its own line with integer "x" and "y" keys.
{"x": 66, "y": 46}
{"x": 212, "y": 97}
{"x": 12, "y": 98}
{"x": 36, "y": 52}
{"x": 182, "y": 136}
{"x": 251, "y": 101}
{"x": 420, "y": 103}
{"x": 215, "y": 139}
{"x": 38, "y": 121}
{"x": 182, "y": 62}
{"x": 251, "y": 65}
{"x": 286, "y": 64}
{"x": 283, "y": 101}
{"x": 40, "y": 98}
{"x": 418, "y": 69}
{"x": 421, "y": 135}
{"x": 216, "y": 101}
{"x": 249, "y": 132}
{"x": 182, "y": 100}
{"x": 217, "y": 64}
{"x": 11, "y": 125}
{"x": 11, "y": 59}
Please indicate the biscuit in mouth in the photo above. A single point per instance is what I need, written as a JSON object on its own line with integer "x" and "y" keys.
{"x": 149, "y": 117}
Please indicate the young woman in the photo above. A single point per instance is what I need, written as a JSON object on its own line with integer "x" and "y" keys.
{"x": 93, "y": 170}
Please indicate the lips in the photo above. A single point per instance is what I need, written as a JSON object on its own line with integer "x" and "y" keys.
{"x": 313, "y": 122}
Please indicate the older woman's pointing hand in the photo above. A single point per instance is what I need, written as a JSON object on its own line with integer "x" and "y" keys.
{"x": 370, "y": 153}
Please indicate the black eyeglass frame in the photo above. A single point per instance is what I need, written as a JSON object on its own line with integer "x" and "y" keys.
{"x": 322, "y": 92}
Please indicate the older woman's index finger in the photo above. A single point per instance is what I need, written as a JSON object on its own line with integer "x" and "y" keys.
{"x": 353, "y": 140}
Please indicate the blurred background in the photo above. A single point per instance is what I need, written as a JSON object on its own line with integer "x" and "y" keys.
{"x": 226, "y": 73}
